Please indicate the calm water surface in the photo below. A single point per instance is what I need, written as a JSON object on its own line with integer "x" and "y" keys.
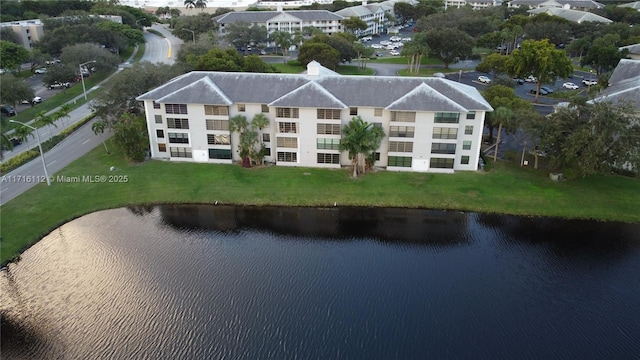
{"x": 223, "y": 282}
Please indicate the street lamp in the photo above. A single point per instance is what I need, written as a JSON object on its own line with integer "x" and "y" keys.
{"x": 84, "y": 90}
{"x": 44, "y": 164}
{"x": 193, "y": 33}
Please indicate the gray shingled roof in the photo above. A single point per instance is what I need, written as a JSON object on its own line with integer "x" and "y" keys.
{"x": 309, "y": 95}
{"x": 625, "y": 84}
{"x": 633, "y": 5}
{"x": 331, "y": 91}
{"x": 625, "y": 70}
{"x": 571, "y": 15}
{"x": 586, "y": 4}
{"x": 265, "y": 16}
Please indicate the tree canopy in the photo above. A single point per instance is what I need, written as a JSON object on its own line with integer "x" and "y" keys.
{"x": 360, "y": 138}
{"x": 449, "y": 45}
{"x": 12, "y": 55}
{"x": 14, "y": 89}
{"x": 320, "y": 52}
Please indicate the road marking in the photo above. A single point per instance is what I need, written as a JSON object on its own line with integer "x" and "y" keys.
{"x": 86, "y": 141}
{"x": 52, "y": 162}
{"x": 168, "y": 52}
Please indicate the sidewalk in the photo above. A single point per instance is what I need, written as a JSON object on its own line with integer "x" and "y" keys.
{"x": 79, "y": 113}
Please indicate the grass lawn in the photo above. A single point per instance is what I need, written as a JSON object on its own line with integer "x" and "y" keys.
{"x": 401, "y": 60}
{"x": 428, "y": 71}
{"x": 503, "y": 189}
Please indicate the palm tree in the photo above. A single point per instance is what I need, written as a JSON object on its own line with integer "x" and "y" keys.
{"x": 283, "y": 40}
{"x": 501, "y": 114}
{"x": 201, "y": 4}
{"x": 43, "y": 119}
{"x": 240, "y": 125}
{"x": 63, "y": 113}
{"x": 360, "y": 137}
{"x": 260, "y": 121}
{"x": 98, "y": 128}
{"x": 22, "y": 133}
{"x": 5, "y": 143}
{"x": 190, "y": 3}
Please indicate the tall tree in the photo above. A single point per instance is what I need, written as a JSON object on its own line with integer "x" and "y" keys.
{"x": 243, "y": 34}
{"x": 449, "y": 45}
{"x": 354, "y": 24}
{"x": 360, "y": 138}
{"x": 130, "y": 133}
{"x": 259, "y": 122}
{"x": 240, "y": 124}
{"x": 603, "y": 55}
{"x": 12, "y": 55}
{"x": 75, "y": 55}
{"x": 540, "y": 59}
{"x": 322, "y": 53}
{"x": 45, "y": 120}
{"x": 189, "y": 4}
{"x": 592, "y": 138}
{"x": 14, "y": 90}
{"x": 201, "y": 4}
{"x": 414, "y": 50}
{"x": 98, "y": 128}
{"x": 283, "y": 40}
{"x": 493, "y": 63}
{"x": 63, "y": 112}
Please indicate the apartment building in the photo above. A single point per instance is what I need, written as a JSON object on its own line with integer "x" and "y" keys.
{"x": 28, "y": 31}
{"x": 289, "y": 20}
{"x": 431, "y": 124}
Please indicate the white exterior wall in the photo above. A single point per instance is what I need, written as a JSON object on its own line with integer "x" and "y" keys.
{"x": 307, "y": 137}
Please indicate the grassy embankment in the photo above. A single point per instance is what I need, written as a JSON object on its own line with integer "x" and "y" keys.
{"x": 504, "y": 188}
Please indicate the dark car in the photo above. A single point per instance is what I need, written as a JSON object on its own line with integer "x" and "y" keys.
{"x": 547, "y": 89}
{"x": 542, "y": 91}
{"x": 518, "y": 81}
{"x": 8, "y": 110}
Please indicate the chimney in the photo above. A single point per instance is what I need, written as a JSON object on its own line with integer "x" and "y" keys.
{"x": 364, "y": 2}
{"x": 279, "y": 7}
{"x": 313, "y": 68}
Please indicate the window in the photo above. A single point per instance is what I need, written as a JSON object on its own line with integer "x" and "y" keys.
{"x": 445, "y": 133}
{"x": 219, "y": 154}
{"x": 400, "y": 146}
{"x": 328, "y": 158}
{"x": 265, "y": 108}
{"x": 328, "y": 129}
{"x": 287, "y": 142}
{"x": 471, "y": 115}
{"x": 468, "y": 130}
{"x": 162, "y": 147}
{"x": 216, "y": 139}
{"x": 217, "y": 125}
{"x": 403, "y": 116}
{"x": 401, "y": 131}
{"x": 266, "y": 137}
{"x": 464, "y": 160}
{"x": 241, "y": 108}
{"x": 440, "y": 163}
{"x": 442, "y": 148}
{"x": 377, "y": 156}
{"x": 447, "y": 118}
{"x": 466, "y": 145}
{"x": 175, "y": 108}
{"x": 183, "y": 152}
{"x": 158, "y": 119}
{"x": 289, "y": 113}
{"x": 287, "y": 156}
{"x": 329, "y": 114}
{"x": 156, "y": 105}
{"x": 353, "y": 111}
{"x": 333, "y": 144}
{"x": 216, "y": 110}
{"x": 400, "y": 161}
{"x": 288, "y": 127}
{"x": 177, "y": 123}
{"x": 267, "y": 151}
{"x": 160, "y": 134}
{"x": 179, "y": 138}
{"x": 377, "y": 112}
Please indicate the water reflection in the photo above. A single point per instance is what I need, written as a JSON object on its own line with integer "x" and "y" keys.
{"x": 393, "y": 225}
{"x": 213, "y": 282}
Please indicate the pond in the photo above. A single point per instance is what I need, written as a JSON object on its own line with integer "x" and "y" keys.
{"x": 214, "y": 282}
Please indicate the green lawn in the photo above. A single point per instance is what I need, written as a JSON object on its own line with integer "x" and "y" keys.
{"x": 401, "y": 60}
{"x": 503, "y": 189}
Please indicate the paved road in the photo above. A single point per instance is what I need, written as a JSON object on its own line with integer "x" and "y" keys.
{"x": 159, "y": 49}
{"x": 80, "y": 142}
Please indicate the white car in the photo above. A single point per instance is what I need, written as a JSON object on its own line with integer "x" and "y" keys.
{"x": 41, "y": 70}
{"x": 406, "y": 39}
{"x": 394, "y": 52}
{"x": 376, "y": 46}
{"x": 385, "y": 42}
{"x": 35, "y": 100}
{"x": 395, "y": 38}
{"x": 531, "y": 79}
{"x": 570, "y": 86}
{"x": 483, "y": 79}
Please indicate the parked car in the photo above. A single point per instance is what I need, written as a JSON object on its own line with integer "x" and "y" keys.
{"x": 8, "y": 110}
{"x": 542, "y": 91}
{"x": 58, "y": 85}
{"x": 35, "y": 100}
{"x": 570, "y": 86}
{"x": 547, "y": 89}
{"x": 41, "y": 71}
{"x": 586, "y": 82}
{"x": 531, "y": 79}
{"x": 518, "y": 81}
{"x": 394, "y": 52}
{"x": 483, "y": 79}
